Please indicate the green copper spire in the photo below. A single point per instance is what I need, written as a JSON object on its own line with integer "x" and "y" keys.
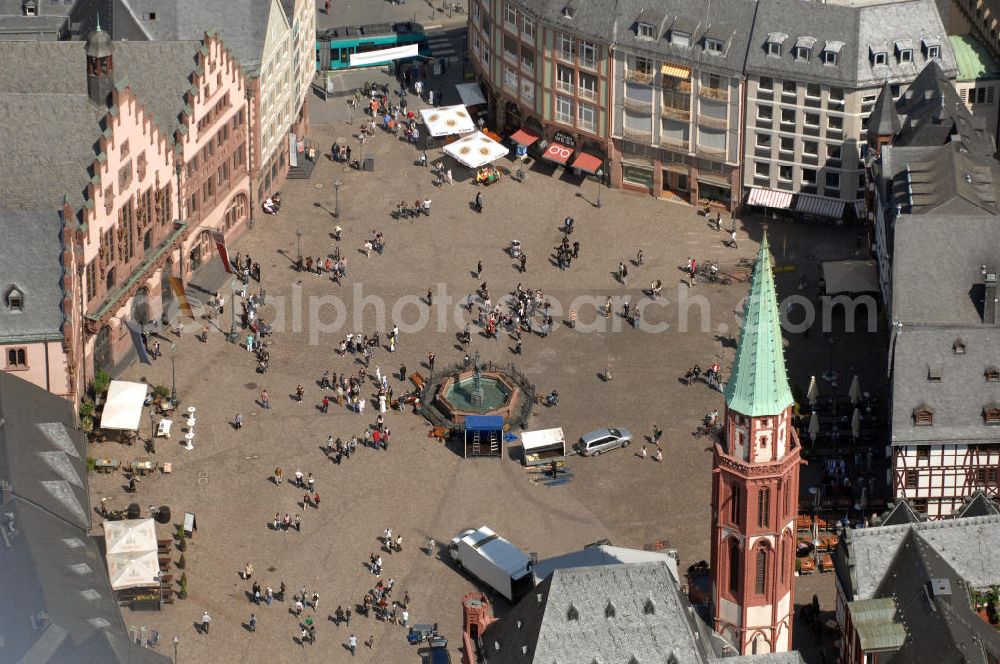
{"x": 758, "y": 385}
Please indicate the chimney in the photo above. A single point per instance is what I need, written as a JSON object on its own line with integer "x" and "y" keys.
{"x": 990, "y": 296}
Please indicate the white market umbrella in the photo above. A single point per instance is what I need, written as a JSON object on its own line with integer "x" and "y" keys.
{"x": 447, "y": 120}
{"x": 129, "y": 536}
{"x": 134, "y": 570}
{"x": 855, "y": 392}
{"x": 123, "y": 405}
{"x": 476, "y": 150}
{"x": 813, "y": 392}
{"x": 856, "y": 424}
{"x": 813, "y": 427}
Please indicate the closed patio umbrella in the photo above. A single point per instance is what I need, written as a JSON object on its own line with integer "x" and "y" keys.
{"x": 856, "y": 424}
{"x": 855, "y": 391}
{"x": 813, "y": 392}
{"x": 813, "y": 427}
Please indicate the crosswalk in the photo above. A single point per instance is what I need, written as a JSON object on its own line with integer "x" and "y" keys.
{"x": 445, "y": 45}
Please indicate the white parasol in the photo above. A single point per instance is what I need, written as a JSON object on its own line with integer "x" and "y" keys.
{"x": 476, "y": 150}
{"x": 855, "y": 392}
{"x": 134, "y": 570}
{"x": 447, "y": 120}
{"x": 813, "y": 392}
{"x": 856, "y": 424}
{"x": 813, "y": 427}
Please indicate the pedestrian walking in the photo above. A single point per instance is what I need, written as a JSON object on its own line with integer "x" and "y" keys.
{"x": 238, "y": 421}
{"x": 478, "y": 204}
{"x": 265, "y": 400}
{"x": 253, "y": 623}
{"x": 326, "y": 404}
{"x": 299, "y": 393}
{"x": 479, "y": 269}
{"x": 402, "y": 372}
{"x": 524, "y": 262}
{"x": 206, "y": 620}
{"x": 732, "y": 239}
{"x": 352, "y": 642}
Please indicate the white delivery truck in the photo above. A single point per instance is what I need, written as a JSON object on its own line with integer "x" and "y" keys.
{"x": 543, "y": 446}
{"x": 494, "y": 561}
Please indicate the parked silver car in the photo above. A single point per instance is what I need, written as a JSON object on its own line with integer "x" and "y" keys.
{"x": 602, "y": 440}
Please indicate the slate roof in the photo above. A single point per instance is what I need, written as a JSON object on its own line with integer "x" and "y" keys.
{"x": 48, "y": 143}
{"x": 978, "y": 504}
{"x": 606, "y": 613}
{"x": 51, "y": 565}
{"x": 884, "y": 120}
{"x": 49, "y": 128}
{"x": 859, "y": 28}
{"x": 758, "y": 384}
{"x": 940, "y": 624}
{"x": 898, "y": 514}
{"x": 34, "y": 268}
{"x": 933, "y": 113}
{"x": 242, "y": 24}
{"x": 956, "y": 246}
{"x": 726, "y": 21}
{"x": 601, "y": 555}
{"x": 970, "y": 546}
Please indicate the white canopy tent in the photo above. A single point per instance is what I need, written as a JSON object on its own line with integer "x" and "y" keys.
{"x": 130, "y": 547}
{"x": 476, "y": 150}
{"x": 123, "y": 408}
{"x": 447, "y": 120}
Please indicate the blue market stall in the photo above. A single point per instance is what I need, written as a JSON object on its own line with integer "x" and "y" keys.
{"x": 483, "y": 436}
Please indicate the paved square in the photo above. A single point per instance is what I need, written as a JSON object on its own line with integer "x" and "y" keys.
{"x": 419, "y": 487}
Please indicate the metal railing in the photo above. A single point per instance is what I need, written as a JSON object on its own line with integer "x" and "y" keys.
{"x": 713, "y": 93}
{"x": 710, "y": 121}
{"x": 638, "y": 77}
{"x": 675, "y": 113}
{"x": 637, "y": 134}
{"x": 638, "y": 106}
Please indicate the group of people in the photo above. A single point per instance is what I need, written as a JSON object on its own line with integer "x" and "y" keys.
{"x": 272, "y": 204}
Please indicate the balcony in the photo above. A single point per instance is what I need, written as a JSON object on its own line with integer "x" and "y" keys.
{"x": 810, "y": 130}
{"x": 638, "y": 76}
{"x": 707, "y": 151}
{"x": 721, "y": 94}
{"x": 675, "y": 113}
{"x": 637, "y": 106}
{"x": 713, "y": 122}
{"x": 671, "y": 142}
{"x": 567, "y": 88}
{"x": 764, "y": 123}
{"x": 762, "y": 151}
{"x": 586, "y": 93}
{"x": 672, "y": 85}
{"x": 640, "y": 135}
{"x": 810, "y": 159}
{"x": 834, "y": 133}
{"x": 813, "y": 102}
{"x": 765, "y": 94}
{"x": 762, "y": 181}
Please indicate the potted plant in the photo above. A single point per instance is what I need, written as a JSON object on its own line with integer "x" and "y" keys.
{"x": 91, "y": 462}
{"x": 161, "y": 394}
{"x": 181, "y": 562}
{"x": 100, "y": 385}
{"x": 182, "y": 543}
{"x": 183, "y": 586}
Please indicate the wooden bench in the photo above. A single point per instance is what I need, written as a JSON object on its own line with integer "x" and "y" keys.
{"x": 166, "y": 580}
{"x": 418, "y": 380}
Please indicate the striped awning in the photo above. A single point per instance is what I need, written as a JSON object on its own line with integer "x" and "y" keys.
{"x": 770, "y": 198}
{"x": 859, "y": 209}
{"x": 819, "y": 206}
{"x": 676, "y": 71}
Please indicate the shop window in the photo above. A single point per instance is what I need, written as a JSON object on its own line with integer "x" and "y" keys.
{"x": 635, "y": 174}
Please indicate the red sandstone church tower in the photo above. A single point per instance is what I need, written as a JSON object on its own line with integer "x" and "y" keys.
{"x": 755, "y": 484}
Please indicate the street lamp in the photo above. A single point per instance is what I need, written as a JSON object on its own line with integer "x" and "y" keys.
{"x": 173, "y": 374}
{"x": 176, "y": 641}
{"x": 361, "y": 150}
{"x": 600, "y": 176}
{"x": 298, "y": 244}
{"x": 336, "y": 193}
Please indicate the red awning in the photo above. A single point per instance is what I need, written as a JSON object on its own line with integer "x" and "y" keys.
{"x": 558, "y": 153}
{"x": 587, "y": 162}
{"x": 522, "y": 137}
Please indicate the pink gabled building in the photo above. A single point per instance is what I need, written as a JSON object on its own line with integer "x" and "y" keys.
{"x": 141, "y": 149}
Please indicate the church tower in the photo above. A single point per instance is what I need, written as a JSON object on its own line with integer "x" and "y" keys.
{"x": 755, "y": 484}
{"x": 100, "y": 69}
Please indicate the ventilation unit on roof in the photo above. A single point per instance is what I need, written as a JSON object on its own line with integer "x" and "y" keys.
{"x": 940, "y": 587}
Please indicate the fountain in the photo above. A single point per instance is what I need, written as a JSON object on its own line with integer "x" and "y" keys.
{"x": 476, "y": 391}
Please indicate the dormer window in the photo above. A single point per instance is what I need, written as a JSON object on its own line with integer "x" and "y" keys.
{"x": 934, "y": 373}
{"x": 774, "y": 42}
{"x": 958, "y": 347}
{"x": 991, "y": 414}
{"x": 680, "y": 38}
{"x": 803, "y": 47}
{"x": 932, "y": 47}
{"x": 15, "y": 300}
{"x": 30, "y": 8}
{"x": 879, "y": 58}
{"x": 992, "y": 375}
{"x": 645, "y": 31}
{"x": 830, "y": 58}
{"x": 567, "y": 12}
{"x": 713, "y": 46}
{"x": 923, "y": 417}
{"x": 906, "y": 56}
{"x": 572, "y": 613}
{"x": 934, "y": 52}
